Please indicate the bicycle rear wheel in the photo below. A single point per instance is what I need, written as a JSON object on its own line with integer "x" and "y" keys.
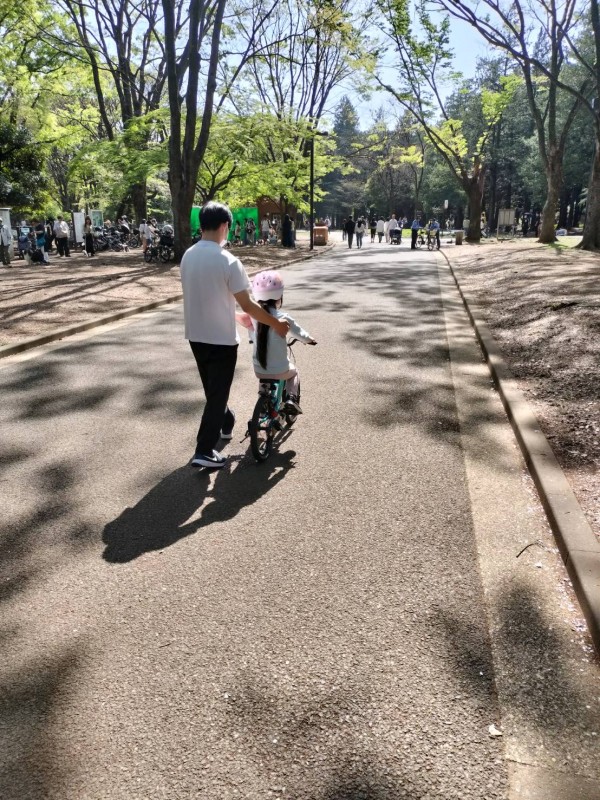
{"x": 261, "y": 430}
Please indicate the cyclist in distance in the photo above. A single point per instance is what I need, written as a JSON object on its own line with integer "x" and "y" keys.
{"x": 270, "y": 355}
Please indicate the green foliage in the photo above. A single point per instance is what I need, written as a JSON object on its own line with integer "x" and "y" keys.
{"x": 21, "y": 181}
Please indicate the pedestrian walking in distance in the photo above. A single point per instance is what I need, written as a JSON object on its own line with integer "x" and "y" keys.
{"x": 359, "y": 230}
{"x": 5, "y": 244}
{"x": 380, "y": 228}
{"x": 61, "y": 232}
{"x": 213, "y": 280}
{"x": 414, "y": 232}
{"x": 88, "y": 232}
{"x": 350, "y": 226}
{"x": 373, "y": 229}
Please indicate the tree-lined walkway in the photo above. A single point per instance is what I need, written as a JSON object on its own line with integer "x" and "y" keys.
{"x": 317, "y": 627}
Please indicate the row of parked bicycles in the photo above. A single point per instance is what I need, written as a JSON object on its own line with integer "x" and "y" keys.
{"x": 115, "y": 240}
{"x": 161, "y": 248}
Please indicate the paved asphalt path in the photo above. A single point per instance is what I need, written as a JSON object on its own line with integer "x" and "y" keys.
{"x": 311, "y": 628}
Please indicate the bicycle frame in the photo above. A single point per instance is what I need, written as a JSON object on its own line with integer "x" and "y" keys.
{"x": 270, "y": 414}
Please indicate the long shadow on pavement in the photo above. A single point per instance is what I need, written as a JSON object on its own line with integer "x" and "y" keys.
{"x": 164, "y": 515}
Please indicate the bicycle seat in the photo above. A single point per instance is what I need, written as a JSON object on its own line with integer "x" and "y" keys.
{"x": 267, "y": 384}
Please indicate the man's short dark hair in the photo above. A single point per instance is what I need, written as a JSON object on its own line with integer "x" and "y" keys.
{"x": 213, "y": 215}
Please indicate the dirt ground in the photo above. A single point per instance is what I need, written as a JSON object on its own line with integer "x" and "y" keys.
{"x": 36, "y": 299}
{"x": 542, "y": 304}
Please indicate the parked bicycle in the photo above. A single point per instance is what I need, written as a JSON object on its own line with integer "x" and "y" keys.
{"x": 271, "y": 415}
{"x": 161, "y": 248}
{"x": 421, "y": 238}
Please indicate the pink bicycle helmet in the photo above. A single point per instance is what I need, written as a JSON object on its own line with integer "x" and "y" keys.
{"x": 267, "y": 285}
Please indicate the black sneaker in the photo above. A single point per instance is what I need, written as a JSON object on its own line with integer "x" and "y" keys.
{"x": 227, "y": 430}
{"x": 213, "y": 461}
{"x": 292, "y": 406}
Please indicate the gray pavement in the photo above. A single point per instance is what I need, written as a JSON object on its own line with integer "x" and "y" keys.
{"x": 333, "y": 624}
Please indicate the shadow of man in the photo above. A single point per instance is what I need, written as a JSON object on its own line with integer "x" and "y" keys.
{"x": 161, "y": 517}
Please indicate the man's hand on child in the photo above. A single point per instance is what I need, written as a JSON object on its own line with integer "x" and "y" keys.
{"x": 281, "y": 327}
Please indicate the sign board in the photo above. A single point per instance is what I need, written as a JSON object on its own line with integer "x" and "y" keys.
{"x": 446, "y": 204}
{"x": 506, "y": 217}
{"x": 97, "y": 218}
{"x": 78, "y": 220}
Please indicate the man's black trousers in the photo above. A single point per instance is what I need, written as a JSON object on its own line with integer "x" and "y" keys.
{"x": 413, "y": 238}
{"x": 216, "y": 365}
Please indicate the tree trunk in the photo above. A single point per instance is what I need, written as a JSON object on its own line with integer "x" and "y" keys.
{"x": 182, "y": 201}
{"x": 591, "y": 228}
{"x": 554, "y": 181}
{"x": 474, "y": 190}
{"x": 139, "y": 201}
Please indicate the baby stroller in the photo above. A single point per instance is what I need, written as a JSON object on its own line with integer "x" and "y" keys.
{"x": 167, "y": 239}
{"x": 23, "y": 243}
{"x": 396, "y": 236}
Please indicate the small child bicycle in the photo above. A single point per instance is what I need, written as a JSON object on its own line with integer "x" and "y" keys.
{"x": 272, "y": 413}
{"x": 278, "y": 403}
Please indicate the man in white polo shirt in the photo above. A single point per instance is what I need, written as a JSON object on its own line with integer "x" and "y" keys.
{"x": 213, "y": 281}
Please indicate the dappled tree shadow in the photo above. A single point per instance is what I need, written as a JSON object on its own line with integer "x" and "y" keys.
{"x": 30, "y": 767}
{"x": 546, "y": 693}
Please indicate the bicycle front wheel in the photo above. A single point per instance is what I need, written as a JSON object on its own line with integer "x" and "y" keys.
{"x": 261, "y": 430}
{"x": 148, "y": 255}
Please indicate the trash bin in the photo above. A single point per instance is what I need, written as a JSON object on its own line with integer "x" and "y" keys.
{"x": 459, "y": 237}
{"x": 320, "y": 234}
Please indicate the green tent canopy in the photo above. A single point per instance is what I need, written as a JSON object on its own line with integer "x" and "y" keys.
{"x": 239, "y": 214}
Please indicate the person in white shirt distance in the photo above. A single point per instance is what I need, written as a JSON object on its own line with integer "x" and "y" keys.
{"x": 391, "y": 226}
{"x": 61, "y": 233}
{"x": 145, "y": 234}
{"x": 213, "y": 281}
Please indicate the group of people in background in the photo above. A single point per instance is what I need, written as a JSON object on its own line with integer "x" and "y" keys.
{"x": 245, "y": 231}
{"x": 354, "y": 230}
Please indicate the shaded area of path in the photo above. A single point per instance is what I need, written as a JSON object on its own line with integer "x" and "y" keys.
{"x": 315, "y": 624}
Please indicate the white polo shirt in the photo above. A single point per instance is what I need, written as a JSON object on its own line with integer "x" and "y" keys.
{"x": 210, "y": 276}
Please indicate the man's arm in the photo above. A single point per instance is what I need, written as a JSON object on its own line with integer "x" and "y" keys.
{"x": 247, "y": 304}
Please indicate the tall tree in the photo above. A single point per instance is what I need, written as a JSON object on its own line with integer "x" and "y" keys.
{"x": 426, "y": 65}
{"x": 122, "y": 42}
{"x": 307, "y": 49}
{"x": 534, "y": 33}
{"x": 198, "y": 53}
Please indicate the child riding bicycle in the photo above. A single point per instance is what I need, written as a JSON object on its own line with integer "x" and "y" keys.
{"x": 270, "y": 354}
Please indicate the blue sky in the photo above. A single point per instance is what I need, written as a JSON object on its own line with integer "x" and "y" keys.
{"x": 468, "y": 46}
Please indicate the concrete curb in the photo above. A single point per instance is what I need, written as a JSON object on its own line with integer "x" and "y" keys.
{"x": 578, "y": 545}
{"x": 98, "y": 322}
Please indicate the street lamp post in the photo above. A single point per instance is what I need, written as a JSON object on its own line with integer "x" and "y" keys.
{"x": 312, "y": 185}
{"x": 312, "y": 194}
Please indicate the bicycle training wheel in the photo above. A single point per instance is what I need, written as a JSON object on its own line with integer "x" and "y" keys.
{"x": 261, "y": 430}
{"x": 165, "y": 253}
